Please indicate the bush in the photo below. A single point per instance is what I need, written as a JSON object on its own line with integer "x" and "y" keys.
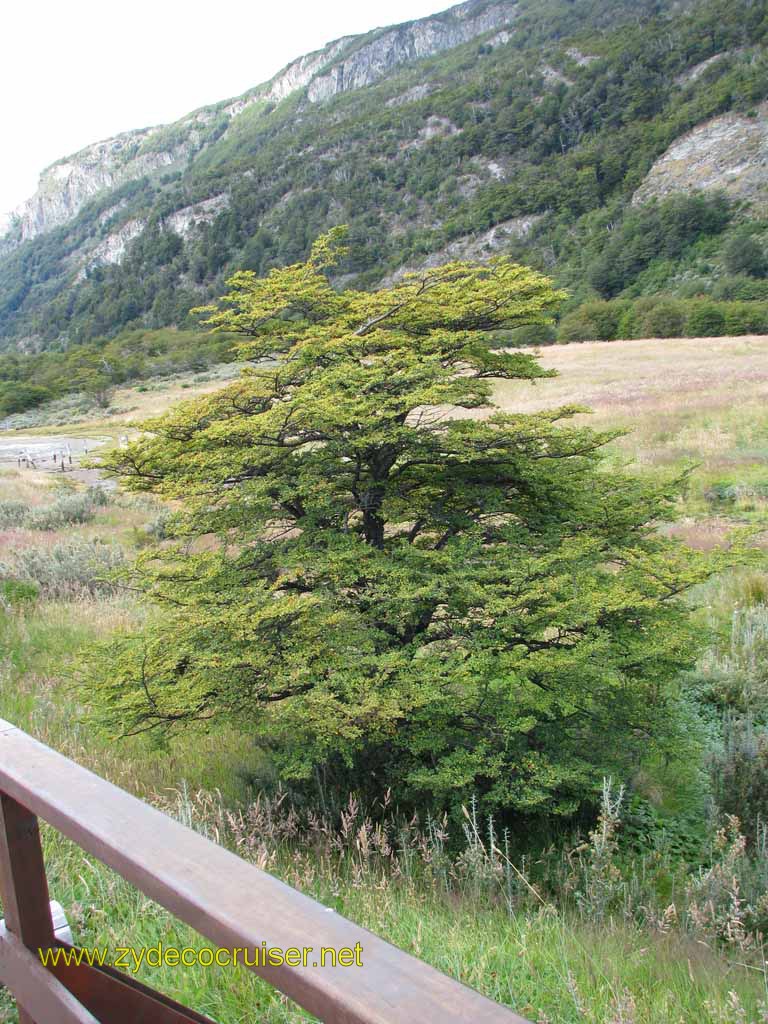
{"x": 98, "y": 496}
{"x": 13, "y": 513}
{"x": 575, "y": 326}
{"x": 594, "y": 321}
{"x": 16, "y": 397}
{"x": 18, "y": 592}
{"x": 532, "y": 334}
{"x": 75, "y": 568}
{"x": 705, "y": 320}
{"x": 67, "y": 510}
{"x": 664, "y": 319}
{"x": 628, "y": 326}
{"x": 740, "y": 775}
{"x": 746, "y": 318}
{"x": 741, "y": 288}
{"x": 662, "y": 316}
{"x": 745, "y": 255}
{"x": 735, "y": 678}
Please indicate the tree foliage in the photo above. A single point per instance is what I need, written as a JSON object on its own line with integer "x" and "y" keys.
{"x": 380, "y": 575}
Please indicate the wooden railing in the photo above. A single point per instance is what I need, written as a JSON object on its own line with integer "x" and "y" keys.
{"x": 223, "y": 898}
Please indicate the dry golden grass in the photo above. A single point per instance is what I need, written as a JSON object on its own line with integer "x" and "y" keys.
{"x": 140, "y": 405}
{"x": 31, "y": 486}
{"x": 693, "y": 399}
{"x": 646, "y": 377}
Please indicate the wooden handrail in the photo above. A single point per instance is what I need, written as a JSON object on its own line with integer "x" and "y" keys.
{"x": 228, "y": 901}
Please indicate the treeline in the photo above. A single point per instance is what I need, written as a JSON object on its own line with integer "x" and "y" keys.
{"x": 662, "y": 316}
{"x": 29, "y": 380}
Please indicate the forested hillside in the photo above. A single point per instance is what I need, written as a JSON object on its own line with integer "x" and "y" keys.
{"x": 543, "y": 136}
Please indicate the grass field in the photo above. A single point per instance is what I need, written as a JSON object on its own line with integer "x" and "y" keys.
{"x": 697, "y": 401}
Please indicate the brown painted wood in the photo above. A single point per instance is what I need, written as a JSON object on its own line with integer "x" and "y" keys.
{"x": 113, "y": 996}
{"x": 45, "y": 998}
{"x": 23, "y": 885}
{"x": 232, "y": 903}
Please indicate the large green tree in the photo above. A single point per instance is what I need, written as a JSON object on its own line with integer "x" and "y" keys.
{"x": 377, "y": 572}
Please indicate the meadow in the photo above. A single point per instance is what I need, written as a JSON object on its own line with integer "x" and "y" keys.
{"x": 589, "y": 932}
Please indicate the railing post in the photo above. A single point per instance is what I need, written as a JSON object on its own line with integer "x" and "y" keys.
{"x": 23, "y": 883}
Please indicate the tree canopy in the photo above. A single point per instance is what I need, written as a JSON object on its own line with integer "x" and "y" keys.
{"x": 380, "y": 574}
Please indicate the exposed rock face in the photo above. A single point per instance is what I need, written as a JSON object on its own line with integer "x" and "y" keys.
{"x": 184, "y": 221}
{"x": 728, "y": 153}
{"x": 472, "y": 247}
{"x": 554, "y": 77}
{"x": 694, "y": 73}
{"x": 416, "y": 92}
{"x": 66, "y": 186}
{"x": 347, "y": 63}
{"x": 435, "y": 127}
{"x": 112, "y": 249}
{"x": 403, "y": 43}
{"x": 582, "y": 59}
{"x": 300, "y": 72}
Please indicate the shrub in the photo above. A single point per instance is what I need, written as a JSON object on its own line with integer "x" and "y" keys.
{"x": 628, "y": 326}
{"x": 705, "y": 320}
{"x": 740, "y": 775}
{"x": 154, "y": 531}
{"x": 746, "y": 318}
{"x": 594, "y": 321}
{"x": 741, "y": 288}
{"x": 16, "y": 397}
{"x": 13, "y": 513}
{"x": 665, "y": 319}
{"x": 745, "y": 255}
{"x": 737, "y": 678}
{"x": 75, "y": 568}
{"x": 67, "y": 510}
{"x": 532, "y": 334}
{"x": 644, "y": 830}
{"x": 18, "y": 592}
{"x": 66, "y": 410}
{"x": 575, "y": 326}
{"x": 98, "y": 496}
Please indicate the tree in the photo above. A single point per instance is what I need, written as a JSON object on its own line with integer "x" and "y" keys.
{"x": 744, "y": 255}
{"x": 705, "y": 320}
{"x": 16, "y": 397}
{"x": 402, "y": 585}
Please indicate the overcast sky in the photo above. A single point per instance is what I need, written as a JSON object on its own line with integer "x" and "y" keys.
{"x": 77, "y": 72}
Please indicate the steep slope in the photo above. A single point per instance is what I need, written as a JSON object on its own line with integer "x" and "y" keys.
{"x": 343, "y": 65}
{"x": 729, "y": 153}
{"x": 432, "y": 138}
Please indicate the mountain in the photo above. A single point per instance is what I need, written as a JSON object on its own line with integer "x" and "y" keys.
{"x": 532, "y": 126}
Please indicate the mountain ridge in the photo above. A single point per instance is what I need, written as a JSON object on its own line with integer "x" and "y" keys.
{"x": 552, "y": 114}
{"x": 69, "y": 182}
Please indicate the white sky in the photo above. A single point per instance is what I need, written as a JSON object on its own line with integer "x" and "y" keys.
{"x": 75, "y": 72}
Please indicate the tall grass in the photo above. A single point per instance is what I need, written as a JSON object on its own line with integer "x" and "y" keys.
{"x": 465, "y": 912}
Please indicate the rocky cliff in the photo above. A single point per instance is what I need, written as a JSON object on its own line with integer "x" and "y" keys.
{"x": 727, "y": 153}
{"x": 343, "y": 65}
{"x": 66, "y": 186}
{"x": 371, "y": 61}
